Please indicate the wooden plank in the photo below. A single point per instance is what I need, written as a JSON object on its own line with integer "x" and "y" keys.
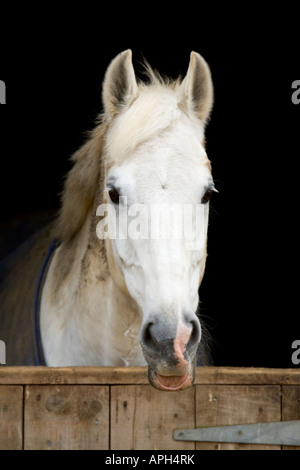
{"x": 73, "y": 375}
{"x": 66, "y": 417}
{"x": 247, "y": 376}
{"x": 11, "y": 417}
{"x": 220, "y": 405}
{"x": 290, "y": 407}
{"x": 138, "y": 375}
{"x": 144, "y": 418}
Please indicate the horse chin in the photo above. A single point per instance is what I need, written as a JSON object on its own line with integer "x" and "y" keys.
{"x": 171, "y": 383}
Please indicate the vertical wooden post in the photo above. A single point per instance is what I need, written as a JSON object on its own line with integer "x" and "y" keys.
{"x": 144, "y": 418}
{"x": 11, "y": 417}
{"x": 221, "y": 405}
{"x": 66, "y": 417}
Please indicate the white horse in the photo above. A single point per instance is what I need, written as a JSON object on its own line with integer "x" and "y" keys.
{"x": 129, "y": 301}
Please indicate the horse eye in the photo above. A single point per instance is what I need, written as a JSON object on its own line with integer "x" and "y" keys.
{"x": 114, "y": 196}
{"x": 207, "y": 196}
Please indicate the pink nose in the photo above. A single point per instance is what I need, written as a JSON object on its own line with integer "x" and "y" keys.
{"x": 183, "y": 336}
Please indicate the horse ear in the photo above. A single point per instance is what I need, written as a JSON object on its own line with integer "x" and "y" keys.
{"x": 119, "y": 87}
{"x": 197, "y": 89}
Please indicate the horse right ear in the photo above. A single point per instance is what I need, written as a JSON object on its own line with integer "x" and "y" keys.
{"x": 196, "y": 90}
{"x": 119, "y": 87}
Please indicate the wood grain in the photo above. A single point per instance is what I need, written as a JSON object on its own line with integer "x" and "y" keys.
{"x": 11, "y": 417}
{"x": 144, "y": 418}
{"x": 116, "y": 408}
{"x": 221, "y": 405}
{"x": 66, "y": 417}
{"x": 138, "y": 375}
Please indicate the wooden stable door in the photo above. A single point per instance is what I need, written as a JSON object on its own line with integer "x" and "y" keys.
{"x": 115, "y": 408}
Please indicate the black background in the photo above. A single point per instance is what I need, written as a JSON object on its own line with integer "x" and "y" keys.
{"x": 53, "y": 63}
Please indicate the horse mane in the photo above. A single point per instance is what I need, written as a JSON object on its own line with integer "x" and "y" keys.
{"x": 155, "y": 78}
{"x": 81, "y": 184}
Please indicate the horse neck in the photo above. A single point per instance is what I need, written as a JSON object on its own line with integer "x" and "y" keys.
{"x": 93, "y": 321}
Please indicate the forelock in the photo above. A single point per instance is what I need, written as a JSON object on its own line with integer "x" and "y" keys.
{"x": 154, "y": 110}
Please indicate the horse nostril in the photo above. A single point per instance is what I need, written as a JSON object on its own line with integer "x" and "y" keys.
{"x": 195, "y": 336}
{"x": 146, "y": 336}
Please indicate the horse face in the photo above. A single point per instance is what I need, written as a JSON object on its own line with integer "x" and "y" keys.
{"x": 158, "y": 184}
{"x": 159, "y": 198}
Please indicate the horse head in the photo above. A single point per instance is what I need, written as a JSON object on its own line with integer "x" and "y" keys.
{"x": 158, "y": 183}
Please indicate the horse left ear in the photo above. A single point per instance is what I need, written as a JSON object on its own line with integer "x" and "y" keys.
{"x": 196, "y": 89}
{"x": 119, "y": 86}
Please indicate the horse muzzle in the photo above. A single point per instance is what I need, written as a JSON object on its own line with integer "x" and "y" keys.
{"x": 170, "y": 351}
